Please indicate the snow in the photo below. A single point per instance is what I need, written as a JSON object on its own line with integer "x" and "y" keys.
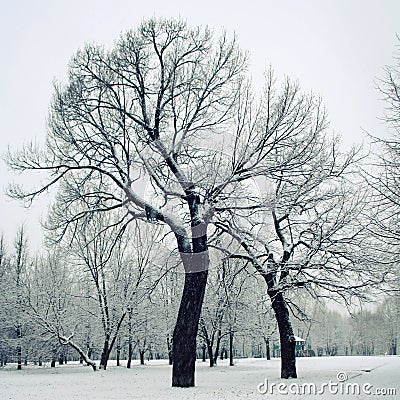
{"x": 153, "y": 380}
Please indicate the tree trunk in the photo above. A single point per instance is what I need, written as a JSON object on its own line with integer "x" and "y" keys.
{"x": 118, "y": 351}
{"x": 67, "y": 341}
{"x": 204, "y": 348}
{"x": 210, "y": 353}
{"x": 287, "y": 340}
{"x": 105, "y": 354}
{"x": 217, "y": 346}
{"x": 185, "y": 332}
{"x": 130, "y": 351}
{"x": 130, "y": 347}
{"x": 19, "y": 348}
{"x": 231, "y": 364}
{"x": 169, "y": 347}
{"x": 142, "y": 356}
{"x": 208, "y": 344}
{"x": 108, "y": 346}
{"x": 268, "y": 349}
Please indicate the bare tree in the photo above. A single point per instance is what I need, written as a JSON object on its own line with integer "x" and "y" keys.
{"x": 19, "y": 267}
{"x": 384, "y": 175}
{"x": 171, "y": 107}
{"x": 116, "y": 265}
{"x": 314, "y": 234}
{"x": 224, "y": 300}
{"x": 6, "y": 307}
{"x": 52, "y": 304}
{"x": 137, "y": 113}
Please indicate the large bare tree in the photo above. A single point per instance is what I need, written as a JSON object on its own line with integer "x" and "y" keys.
{"x": 314, "y": 232}
{"x": 384, "y": 175}
{"x": 168, "y": 107}
{"x": 137, "y": 114}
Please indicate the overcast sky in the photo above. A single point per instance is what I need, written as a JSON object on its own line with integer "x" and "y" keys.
{"x": 334, "y": 48}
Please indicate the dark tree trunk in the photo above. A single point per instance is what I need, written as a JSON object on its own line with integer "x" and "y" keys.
{"x": 208, "y": 344}
{"x": 231, "y": 334}
{"x": 204, "y": 348}
{"x": 185, "y": 332}
{"x": 118, "y": 351}
{"x": 130, "y": 340}
{"x": 217, "y": 346}
{"x": 210, "y": 354}
{"x": 142, "y": 356}
{"x": 169, "y": 347}
{"x": 287, "y": 340}
{"x": 130, "y": 351}
{"x": 393, "y": 347}
{"x": 268, "y": 349}
{"x": 53, "y": 362}
{"x": 109, "y": 345}
{"x": 105, "y": 355}
{"x": 19, "y": 348}
{"x": 195, "y": 259}
{"x": 89, "y": 352}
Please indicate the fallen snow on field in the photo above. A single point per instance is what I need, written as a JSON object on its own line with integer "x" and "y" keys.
{"x": 245, "y": 380}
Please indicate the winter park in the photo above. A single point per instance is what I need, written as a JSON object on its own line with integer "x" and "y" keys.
{"x": 195, "y": 206}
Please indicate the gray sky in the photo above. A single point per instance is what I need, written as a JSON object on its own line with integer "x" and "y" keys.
{"x": 334, "y": 48}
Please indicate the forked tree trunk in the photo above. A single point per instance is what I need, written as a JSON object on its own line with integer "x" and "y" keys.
{"x": 217, "y": 346}
{"x": 185, "y": 332}
{"x": 109, "y": 343}
{"x": 105, "y": 355}
{"x": 141, "y": 352}
{"x": 68, "y": 342}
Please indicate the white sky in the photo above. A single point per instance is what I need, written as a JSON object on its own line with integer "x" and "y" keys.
{"x": 334, "y": 48}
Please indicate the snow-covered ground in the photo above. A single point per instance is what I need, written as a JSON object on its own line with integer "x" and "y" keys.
{"x": 248, "y": 379}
